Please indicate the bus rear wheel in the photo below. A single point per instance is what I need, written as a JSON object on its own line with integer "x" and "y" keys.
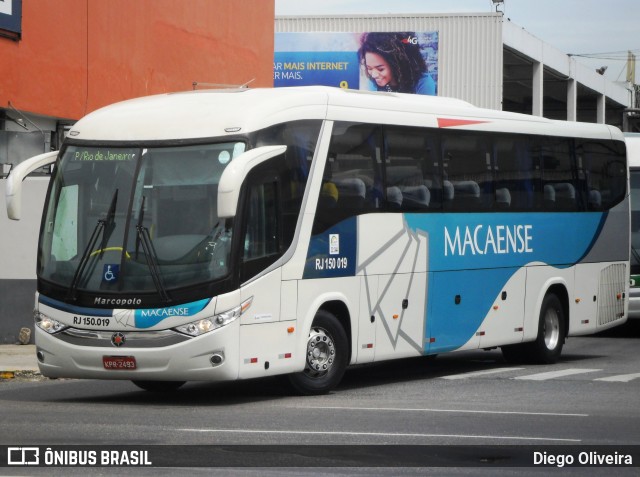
{"x": 547, "y": 347}
{"x": 326, "y": 356}
{"x": 158, "y": 386}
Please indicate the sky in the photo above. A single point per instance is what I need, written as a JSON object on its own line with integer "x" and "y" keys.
{"x": 606, "y": 29}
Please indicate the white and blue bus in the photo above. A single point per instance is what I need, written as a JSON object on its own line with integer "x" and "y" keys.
{"x": 222, "y": 235}
{"x": 633, "y": 155}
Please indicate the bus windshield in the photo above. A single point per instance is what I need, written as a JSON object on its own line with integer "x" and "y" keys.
{"x": 136, "y": 219}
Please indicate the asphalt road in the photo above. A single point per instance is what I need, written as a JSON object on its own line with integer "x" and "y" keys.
{"x": 589, "y": 398}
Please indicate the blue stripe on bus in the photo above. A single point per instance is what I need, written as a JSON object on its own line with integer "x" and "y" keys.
{"x": 148, "y": 317}
{"x": 476, "y": 241}
{"x": 473, "y": 256}
{"x": 327, "y": 259}
{"x": 453, "y": 322}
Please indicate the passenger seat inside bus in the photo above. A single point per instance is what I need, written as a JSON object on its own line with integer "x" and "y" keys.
{"x": 328, "y": 196}
{"x": 595, "y": 200}
{"x": 565, "y": 196}
{"x": 503, "y": 198}
{"x": 394, "y": 198}
{"x": 448, "y": 193}
{"x": 467, "y": 195}
{"x": 415, "y": 197}
{"x": 351, "y": 192}
{"x": 549, "y": 197}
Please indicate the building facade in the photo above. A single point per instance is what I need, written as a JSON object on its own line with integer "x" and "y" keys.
{"x": 489, "y": 61}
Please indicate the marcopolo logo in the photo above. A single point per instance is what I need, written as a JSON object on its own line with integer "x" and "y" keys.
{"x": 116, "y": 301}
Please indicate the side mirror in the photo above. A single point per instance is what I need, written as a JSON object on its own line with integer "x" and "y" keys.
{"x": 235, "y": 173}
{"x": 13, "y": 192}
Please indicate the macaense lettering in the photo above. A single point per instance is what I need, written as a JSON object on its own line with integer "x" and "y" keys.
{"x": 488, "y": 240}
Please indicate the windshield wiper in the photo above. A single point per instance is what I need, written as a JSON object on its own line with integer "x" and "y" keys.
{"x": 152, "y": 260}
{"x": 140, "y": 222}
{"x": 103, "y": 226}
{"x": 151, "y": 256}
{"x": 109, "y": 222}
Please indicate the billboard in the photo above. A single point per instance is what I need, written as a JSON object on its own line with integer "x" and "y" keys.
{"x": 405, "y": 62}
{"x": 11, "y": 18}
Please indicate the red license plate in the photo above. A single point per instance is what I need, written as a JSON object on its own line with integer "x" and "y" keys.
{"x": 119, "y": 362}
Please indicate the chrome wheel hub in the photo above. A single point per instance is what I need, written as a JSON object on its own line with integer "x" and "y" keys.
{"x": 551, "y": 329}
{"x": 320, "y": 353}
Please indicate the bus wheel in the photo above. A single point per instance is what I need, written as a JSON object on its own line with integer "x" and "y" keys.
{"x": 158, "y": 386}
{"x": 547, "y": 347}
{"x": 326, "y": 360}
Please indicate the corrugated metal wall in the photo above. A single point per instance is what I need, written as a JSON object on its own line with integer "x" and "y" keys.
{"x": 470, "y": 47}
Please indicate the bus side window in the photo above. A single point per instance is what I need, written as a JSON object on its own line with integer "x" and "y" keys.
{"x": 467, "y": 166}
{"x": 352, "y": 180}
{"x": 513, "y": 172}
{"x": 261, "y": 226}
{"x": 602, "y": 167}
{"x": 411, "y": 167}
{"x": 559, "y": 179}
{"x": 300, "y": 137}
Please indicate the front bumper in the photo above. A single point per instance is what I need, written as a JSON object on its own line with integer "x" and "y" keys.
{"x": 158, "y": 358}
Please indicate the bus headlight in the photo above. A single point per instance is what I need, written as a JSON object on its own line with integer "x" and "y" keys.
{"x": 48, "y": 324}
{"x": 200, "y": 327}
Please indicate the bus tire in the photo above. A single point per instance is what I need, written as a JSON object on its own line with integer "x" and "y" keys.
{"x": 547, "y": 347}
{"x": 158, "y": 386}
{"x": 326, "y": 356}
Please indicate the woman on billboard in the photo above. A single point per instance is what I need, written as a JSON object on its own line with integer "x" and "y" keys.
{"x": 394, "y": 62}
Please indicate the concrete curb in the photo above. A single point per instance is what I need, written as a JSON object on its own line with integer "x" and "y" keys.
{"x": 22, "y": 375}
{"x": 18, "y": 361}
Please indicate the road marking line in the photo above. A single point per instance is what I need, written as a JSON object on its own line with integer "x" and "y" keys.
{"x": 556, "y": 374}
{"x": 377, "y": 434}
{"x": 473, "y": 374}
{"x": 621, "y": 378}
{"x": 461, "y": 411}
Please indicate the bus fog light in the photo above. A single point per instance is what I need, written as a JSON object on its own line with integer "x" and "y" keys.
{"x": 48, "y": 324}
{"x": 217, "y": 358}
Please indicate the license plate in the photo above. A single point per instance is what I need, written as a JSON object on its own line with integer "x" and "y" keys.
{"x": 119, "y": 362}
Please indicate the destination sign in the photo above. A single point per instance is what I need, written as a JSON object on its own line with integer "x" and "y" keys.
{"x": 104, "y": 155}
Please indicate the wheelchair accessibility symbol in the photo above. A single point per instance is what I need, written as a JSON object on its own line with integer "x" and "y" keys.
{"x": 110, "y": 273}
